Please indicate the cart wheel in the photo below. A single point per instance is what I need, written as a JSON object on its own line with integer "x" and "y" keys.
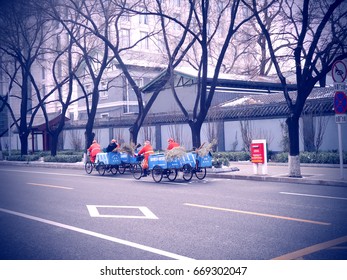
{"x": 89, "y": 167}
{"x": 171, "y": 174}
{"x": 187, "y": 172}
{"x": 101, "y": 167}
{"x": 200, "y": 173}
{"x": 136, "y": 169}
{"x": 114, "y": 169}
{"x": 157, "y": 173}
{"x": 121, "y": 169}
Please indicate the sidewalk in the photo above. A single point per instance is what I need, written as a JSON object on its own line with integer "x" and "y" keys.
{"x": 314, "y": 174}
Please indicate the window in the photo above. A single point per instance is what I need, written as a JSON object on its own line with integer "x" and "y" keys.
{"x": 88, "y": 89}
{"x": 161, "y": 43}
{"x": 125, "y": 38}
{"x": 104, "y": 115}
{"x": 103, "y": 90}
{"x": 43, "y": 72}
{"x": 220, "y": 7}
{"x": 58, "y": 43}
{"x": 60, "y": 69}
{"x": 143, "y": 19}
{"x": 178, "y": 18}
{"x": 177, "y": 3}
{"x": 125, "y": 14}
{"x": 129, "y": 97}
{"x": 144, "y": 44}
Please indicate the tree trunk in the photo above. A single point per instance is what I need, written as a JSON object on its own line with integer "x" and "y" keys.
{"x": 89, "y": 135}
{"x": 23, "y": 143}
{"x": 54, "y": 144}
{"x": 294, "y": 151}
{"x": 134, "y": 131}
{"x": 196, "y": 129}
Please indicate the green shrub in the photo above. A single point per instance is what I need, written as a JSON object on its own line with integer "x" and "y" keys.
{"x": 70, "y": 152}
{"x": 279, "y": 157}
{"x": 63, "y": 158}
{"x": 23, "y": 158}
{"x": 232, "y": 156}
{"x": 226, "y": 162}
{"x": 13, "y": 153}
{"x": 217, "y": 163}
{"x": 239, "y": 156}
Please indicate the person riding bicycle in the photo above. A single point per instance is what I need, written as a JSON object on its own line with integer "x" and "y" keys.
{"x": 147, "y": 150}
{"x": 93, "y": 150}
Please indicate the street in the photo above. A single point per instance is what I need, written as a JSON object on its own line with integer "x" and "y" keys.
{"x": 54, "y": 214}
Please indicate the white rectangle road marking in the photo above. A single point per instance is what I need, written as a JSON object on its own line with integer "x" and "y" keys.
{"x": 147, "y": 214}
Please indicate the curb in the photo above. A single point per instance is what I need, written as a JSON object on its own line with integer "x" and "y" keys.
{"x": 279, "y": 179}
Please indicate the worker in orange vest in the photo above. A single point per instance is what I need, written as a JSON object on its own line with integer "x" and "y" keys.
{"x": 93, "y": 150}
{"x": 172, "y": 144}
{"x": 147, "y": 150}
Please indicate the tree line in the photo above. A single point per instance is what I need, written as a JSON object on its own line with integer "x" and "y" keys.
{"x": 72, "y": 41}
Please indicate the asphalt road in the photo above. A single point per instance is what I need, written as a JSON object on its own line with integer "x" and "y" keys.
{"x": 66, "y": 214}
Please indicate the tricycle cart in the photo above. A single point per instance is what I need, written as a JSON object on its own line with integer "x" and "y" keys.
{"x": 107, "y": 162}
{"x": 159, "y": 166}
{"x": 201, "y": 163}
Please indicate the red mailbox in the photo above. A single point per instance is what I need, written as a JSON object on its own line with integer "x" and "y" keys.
{"x": 257, "y": 153}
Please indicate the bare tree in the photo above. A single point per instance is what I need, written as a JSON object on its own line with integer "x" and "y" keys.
{"x": 315, "y": 30}
{"x": 23, "y": 32}
{"x": 204, "y": 32}
{"x": 76, "y": 139}
{"x": 247, "y": 134}
{"x": 76, "y": 18}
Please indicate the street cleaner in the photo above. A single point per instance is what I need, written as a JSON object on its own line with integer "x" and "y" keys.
{"x": 147, "y": 150}
{"x": 93, "y": 150}
{"x": 172, "y": 144}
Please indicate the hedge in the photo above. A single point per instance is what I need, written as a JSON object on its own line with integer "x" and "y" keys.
{"x": 312, "y": 157}
{"x": 63, "y": 158}
{"x": 23, "y": 158}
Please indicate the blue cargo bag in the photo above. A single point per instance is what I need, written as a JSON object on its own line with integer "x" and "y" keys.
{"x": 174, "y": 163}
{"x": 157, "y": 159}
{"x": 205, "y": 161}
{"x": 188, "y": 158}
{"x": 113, "y": 158}
{"x": 126, "y": 158}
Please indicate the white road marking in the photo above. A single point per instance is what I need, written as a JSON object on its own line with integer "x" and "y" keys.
{"x": 50, "y": 186}
{"x": 258, "y": 214}
{"x": 147, "y": 214}
{"x": 69, "y": 174}
{"x": 312, "y": 249}
{"x": 99, "y": 235}
{"x": 314, "y": 195}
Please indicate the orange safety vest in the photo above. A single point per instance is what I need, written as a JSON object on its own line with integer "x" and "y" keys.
{"x": 146, "y": 151}
{"x": 94, "y": 149}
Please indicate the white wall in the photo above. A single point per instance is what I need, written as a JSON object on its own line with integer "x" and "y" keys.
{"x": 271, "y": 129}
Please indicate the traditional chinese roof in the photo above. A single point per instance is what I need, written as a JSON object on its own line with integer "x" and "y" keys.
{"x": 53, "y": 122}
{"x": 319, "y": 102}
{"x": 239, "y": 84}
